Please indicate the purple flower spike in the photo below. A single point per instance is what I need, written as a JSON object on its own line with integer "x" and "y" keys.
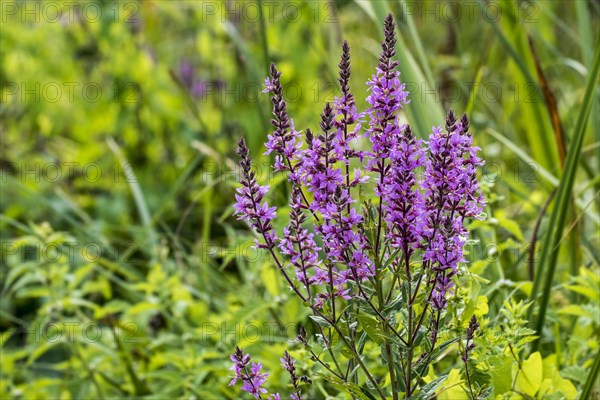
{"x": 288, "y": 364}
{"x": 386, "y": 98}
{"x": 251, "y": 377}
{"x": 298, "y": 244}
{"x": 452, "y": 194}
{"x": 249, "y": 204}
{"x": 285, "y": 141}
{"x": 423, "y": 215}
{"x": 320, "y": 173}
{"x": 404, "y": 202}
{"x": 358, "y": 246}
{"x": 346, "y": 114}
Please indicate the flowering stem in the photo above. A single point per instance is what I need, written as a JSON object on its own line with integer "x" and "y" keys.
{"x": 347, "y": 165}
{"x": 422, "y": 316}
{"x": 469, "y": 346}
{"x": 330, "y": 270}
{"x": 314, "y": 310}
{"x": 316, "y": 357}
{"x": 304, "y": 271}
{"x": 384, "y": 320}
{"x": 380, "y": 214}
{"x": 360, "y": 362}
{"x": 304, "y": 198}
{"x": 417, "y": 219}
{"x": 433, "y": 343}
{"x": 469, "y": 377}
{"x": 391, "y": 367}
{"x": 410, "y": 324}
{"x": 388, "y": 347}
{"x": 249, "y": 380}
{"x": 286, "y": 276}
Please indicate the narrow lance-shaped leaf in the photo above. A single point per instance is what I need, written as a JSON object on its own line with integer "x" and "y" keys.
{"x": 553, "y": 236}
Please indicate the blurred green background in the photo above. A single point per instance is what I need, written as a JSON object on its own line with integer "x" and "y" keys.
{"x": 123, "y": 272}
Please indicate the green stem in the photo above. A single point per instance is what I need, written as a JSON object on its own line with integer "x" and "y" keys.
{"x": 410, "y": 354}
{"x": 591, "y": 379}
{"x": 360, "y": 362}
{"x": 555, "y": 228}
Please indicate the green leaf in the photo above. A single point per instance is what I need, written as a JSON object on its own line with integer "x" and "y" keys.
{"x": 452, "y": 389}
{"x": 420, "y": 369}
{"x": 320, "y": 320}
{"x": 429, "y": 389}
{"x": 391, "y": 258}
{"x": 359, "y": 392}
{"x": 588, "y": 292}
{"x": 530, "y": 375}
{"x": 574, "y": 309}
{"x": 557, "y": 385}
{"x": 269, "y": 277}
{"x": 372, "y": 328}
{"x": 512, "y": 227}
{"x": 44, "y": 347}
{"x": 346, "y": 352}
{"x": 575, "y": 373}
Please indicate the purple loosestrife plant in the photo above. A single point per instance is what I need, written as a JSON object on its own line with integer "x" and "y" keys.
{"x": 249, "y": 201}
{"x": 376, "y": 274}
{"x": 288, "y": 364}
{"x": 469, "y": 347}
{"x": 250, "y": 376}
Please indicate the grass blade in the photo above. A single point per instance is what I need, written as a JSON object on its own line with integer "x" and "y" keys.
{"x": 541, "y": 171}
{"x": 519, "y": 152}
{"x": 136, "y": 191}
{"x": 550, "y": 103}
{"x": 591, "y": 379}
{"x": 539, "y": 131}
{"x": 554, "y": 233}
{"x": 418, "y": 44}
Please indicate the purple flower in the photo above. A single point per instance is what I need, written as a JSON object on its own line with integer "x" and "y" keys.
{"x": 386, "y": 98}
{"x": 470, "y": 346}
{"x": 452, "y": 194}
{"x": 346, "y": 114}
{"x": 318, "y": 167}
{"x": 285, "y": 141}
{"x": 252, "y": 379}
{"x": 425, "y": 191}
{"x": 187, "y": 73}
{"x": 240, "y": 362}
{"x": 299, "y": 245}
{"x": 333, "y": 202}
{"x": 249, "y": 204}
{"x": 473, "y": 203}
{"x": 195, "y": 86}
{"x": 288, "y": 364}
{"x": 404, "y": 204}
